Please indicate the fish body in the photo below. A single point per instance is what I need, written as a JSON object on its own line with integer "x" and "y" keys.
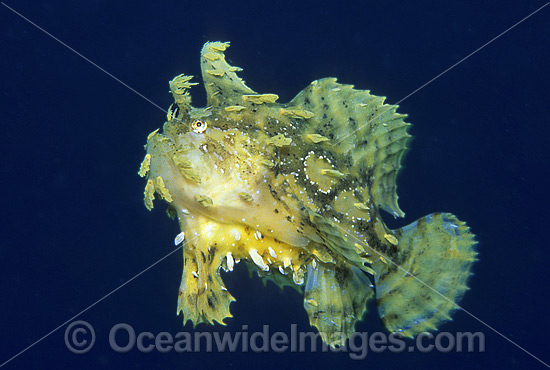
{"x": 295, "y": 190}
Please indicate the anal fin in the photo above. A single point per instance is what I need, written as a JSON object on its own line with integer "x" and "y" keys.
{"x": 335, "y": 299}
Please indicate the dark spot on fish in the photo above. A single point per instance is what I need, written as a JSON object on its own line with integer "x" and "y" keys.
{"x": 211, "y": 253}
{"x": 362, "y": 225}
{"x": 273, "y": 193}
{"x": 341, "y": 274}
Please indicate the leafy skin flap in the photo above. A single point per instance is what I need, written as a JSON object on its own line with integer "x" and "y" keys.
{"x": 361, "y": 125}
{"x": 223, "y": 86}
{"x": 438, "y": 250}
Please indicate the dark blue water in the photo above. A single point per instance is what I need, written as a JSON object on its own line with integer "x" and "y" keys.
{"x": 74, "y": 227}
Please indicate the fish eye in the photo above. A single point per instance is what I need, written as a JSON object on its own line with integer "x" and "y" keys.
{"x": 199, "y": 126}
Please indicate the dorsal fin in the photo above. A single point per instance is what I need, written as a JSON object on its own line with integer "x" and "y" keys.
{"x": 220, "y": 80}
{"x": 360, "y": 125}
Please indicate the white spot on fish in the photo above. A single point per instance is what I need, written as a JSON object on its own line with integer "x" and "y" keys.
{"x": 298, "y": 277}
{"x": 179, "y": 238}
{"x": 258, "y": 235}
{"x": 258, "y": 260}
{"x": 230, "y": 261}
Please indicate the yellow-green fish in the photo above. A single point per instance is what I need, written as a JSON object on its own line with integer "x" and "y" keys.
{"x": 295, "y": 190}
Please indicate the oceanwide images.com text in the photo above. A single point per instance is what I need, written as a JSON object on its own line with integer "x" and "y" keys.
{"x": 80, "y": 338}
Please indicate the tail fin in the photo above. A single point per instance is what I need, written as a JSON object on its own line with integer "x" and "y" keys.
{"x": 437, "y": 253}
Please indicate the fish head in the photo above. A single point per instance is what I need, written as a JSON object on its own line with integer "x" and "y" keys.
{"x": 215, "y": 167}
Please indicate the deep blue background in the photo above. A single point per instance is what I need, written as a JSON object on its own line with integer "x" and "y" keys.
{"x": 74, "y": 226}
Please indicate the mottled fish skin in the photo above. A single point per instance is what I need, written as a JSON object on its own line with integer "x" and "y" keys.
{"x": 295, "y": 190}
